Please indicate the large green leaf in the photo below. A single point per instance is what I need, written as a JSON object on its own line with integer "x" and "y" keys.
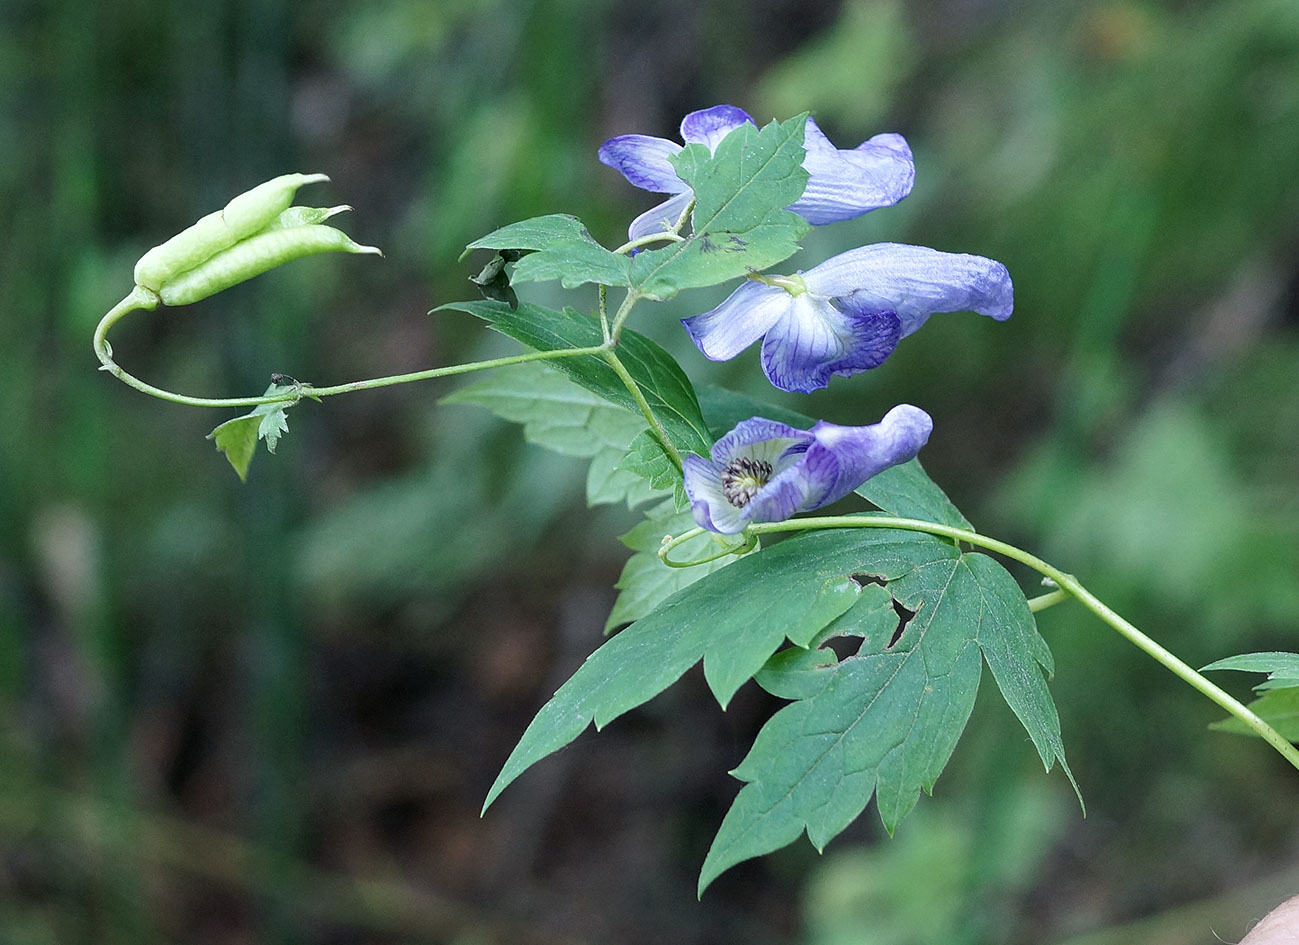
{"x": 739, "y": 222}
{"x": 886, "y": 720}
{"x": 904, "y": 490}
{"x": 666, "y": 387}
{"x": 735, "y": 619}
{"x": 566, "y": 418}
{"x": 561, "y": 248}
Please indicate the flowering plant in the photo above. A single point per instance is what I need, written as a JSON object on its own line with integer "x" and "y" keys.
{"x": 719, "y": 473}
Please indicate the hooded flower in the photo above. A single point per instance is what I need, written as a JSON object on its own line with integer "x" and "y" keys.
{"x": 848, "y": 314}
{"x": 764, "y": 471}
{"x": 841, "y": 184}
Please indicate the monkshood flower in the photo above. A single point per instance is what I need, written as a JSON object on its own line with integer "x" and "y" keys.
{"x": 841, "y": 184}
{"x": 848, "y": 314}
{"x": 764, "y": 471}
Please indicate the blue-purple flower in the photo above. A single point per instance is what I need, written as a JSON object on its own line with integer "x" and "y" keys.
{"x": 764, "y": 471}
{"x": 848, "y": 314}
{"x": 841, "y": 184}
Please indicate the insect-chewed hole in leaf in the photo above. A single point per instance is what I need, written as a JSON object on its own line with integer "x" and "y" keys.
{"x": 863, "y": 579}
{"x": 904, "y": 618}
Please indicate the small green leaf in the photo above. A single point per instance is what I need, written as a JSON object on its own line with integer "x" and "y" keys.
{"x": 562, "y": 249}
{"x": 561, "y": 416}
{"x": 1279, "y": 708}
{"x": 739, "y": 222}
{"x": 904, "y": 490}
{"x": 646, "y": 581}
{"x": 666, "y": 387}
{"x": 237, "y": 438}
{"x": 645, "y": 458}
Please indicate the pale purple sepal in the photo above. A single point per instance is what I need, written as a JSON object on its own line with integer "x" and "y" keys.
{"x": 710, "y": 125}
{"x": 746, "y": 315}
{"x": 643, "y": 160}
{"x": 842, "y": 185}
{"x": 803, "y": 469}
{"x": 914, "y": 282}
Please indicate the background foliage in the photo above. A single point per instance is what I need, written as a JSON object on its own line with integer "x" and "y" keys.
{"x": 270, "y": 713}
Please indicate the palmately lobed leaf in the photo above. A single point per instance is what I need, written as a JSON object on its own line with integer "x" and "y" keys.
{"x": 739, "y": 222}
{"x": 886, "y": 720}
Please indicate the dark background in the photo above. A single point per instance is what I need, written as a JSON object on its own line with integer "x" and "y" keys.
{"x": 269, "y": 713}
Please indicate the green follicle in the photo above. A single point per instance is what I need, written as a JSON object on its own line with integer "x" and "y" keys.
{"x": 742, "y": 479}
{"x": 794, "y": 285}
{"x": 245, "y": 215}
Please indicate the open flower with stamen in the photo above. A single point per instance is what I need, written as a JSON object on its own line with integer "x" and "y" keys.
{"x": 842, "y": 184}
{"x": 848, "y": 314}
{"x": 764, "y": 471}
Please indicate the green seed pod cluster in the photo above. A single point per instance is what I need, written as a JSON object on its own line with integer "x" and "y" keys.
{"x": 254, "y": 232}
{"x": 257, "y": 254}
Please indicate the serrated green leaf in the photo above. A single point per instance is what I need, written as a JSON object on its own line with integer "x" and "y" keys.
{"x": 646, "y": 581}
{"x": 274, "y": 425}
{"x": 1279, "y": 708}
{"x": 904, "y": 490}
{"x": 739, "y": 221}
{"x": 562, "y": 249}
{"x": 1282, "y": 668}
{"x": 886, "y": 720}
{"x": 666, "y": 387}
{"x": 645, "y": 458}
{"x": 561, "y": 416}
{"x": 237, "y": 438}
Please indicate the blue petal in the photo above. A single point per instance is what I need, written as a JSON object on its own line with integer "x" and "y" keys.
{"x": 660, "y": 218}
{"x": 845, "y": 184}
{"x": 815, "y": 340}
{"x": 644, "y": 161}
{"x": 744, "y": 317}
{"x": 914, "y": 282}
{"x": 842, "y": 458}
{"x": 710, "y": 125}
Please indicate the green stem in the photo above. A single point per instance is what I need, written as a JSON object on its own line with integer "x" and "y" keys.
{"x": 624, "y": 311}
{"x": 1057, "y": 596}
{"x": 611, "y": 357}
{"x": 141, "y": 298}
{"x": 670, "y": 542}
{"x": 1070, "y": 584}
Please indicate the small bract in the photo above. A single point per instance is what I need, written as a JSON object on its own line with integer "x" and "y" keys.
{"x": 841, "y": 184}
{"x": 764, "y": 471}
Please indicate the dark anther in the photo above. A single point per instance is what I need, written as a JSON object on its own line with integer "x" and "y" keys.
{"x": 742, "y": 479}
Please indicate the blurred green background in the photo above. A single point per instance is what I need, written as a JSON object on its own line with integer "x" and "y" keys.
{"x": 269, "y": 713}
